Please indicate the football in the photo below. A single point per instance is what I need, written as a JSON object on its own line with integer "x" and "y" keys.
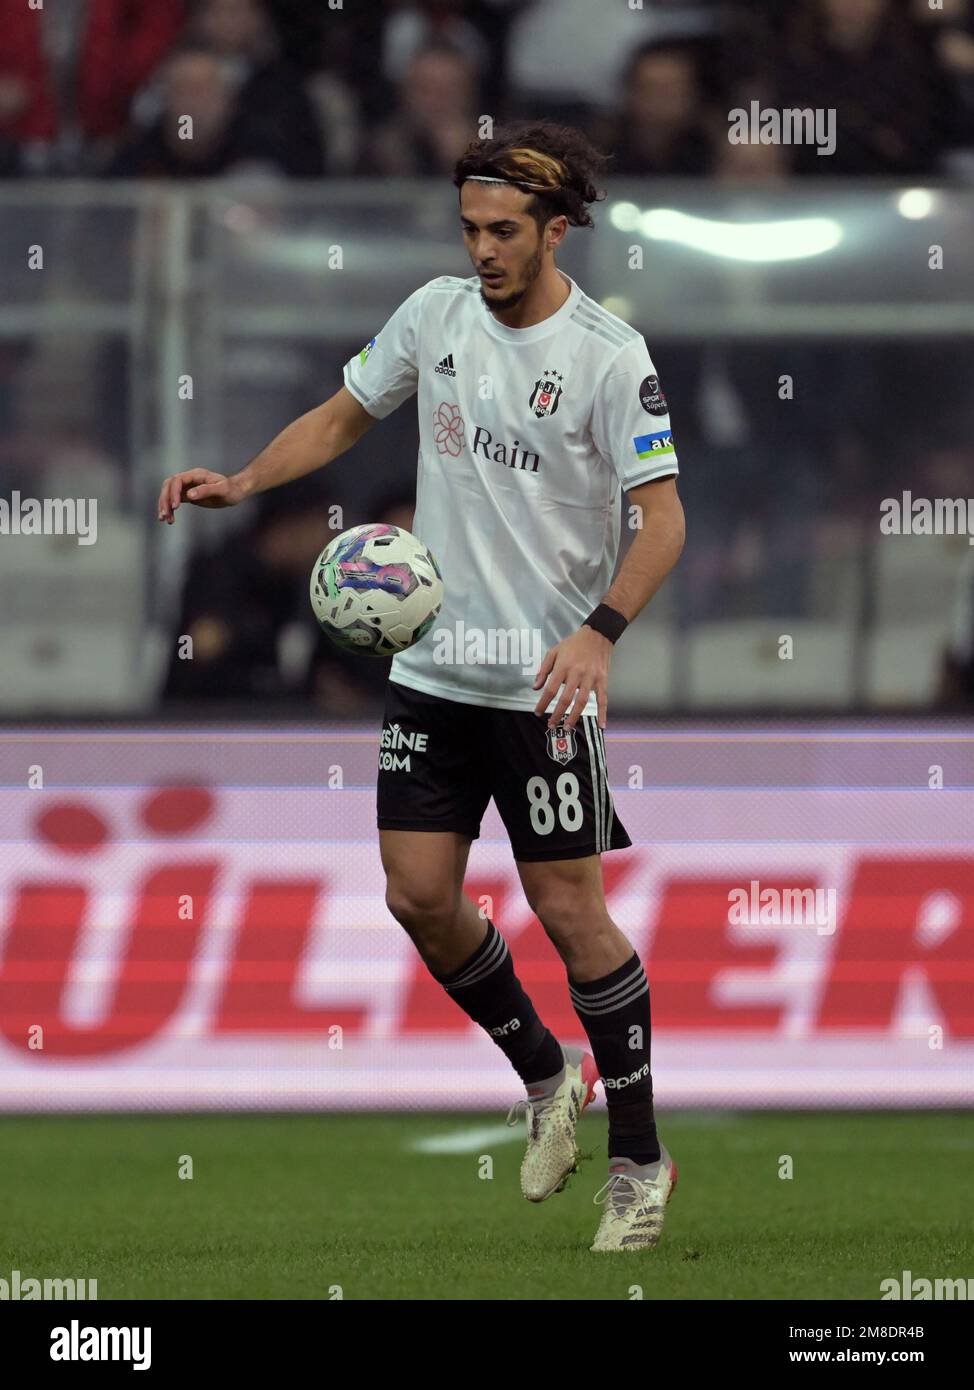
{"x": 376, "y": 589}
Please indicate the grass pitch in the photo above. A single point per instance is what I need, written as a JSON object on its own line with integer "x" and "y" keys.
{"x": 295, "y": 1207}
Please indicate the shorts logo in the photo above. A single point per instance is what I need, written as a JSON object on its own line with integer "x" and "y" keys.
{"x": 396, "y": 748}
{"x": 651, "y": 396}
{"x": 546, "y": 394}
{"x": 561, "y": 744}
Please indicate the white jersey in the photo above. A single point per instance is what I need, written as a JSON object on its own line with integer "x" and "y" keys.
{"x": 527, "y": 438}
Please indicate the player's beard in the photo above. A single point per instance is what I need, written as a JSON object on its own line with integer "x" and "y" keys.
{"x": 531, "y": 272}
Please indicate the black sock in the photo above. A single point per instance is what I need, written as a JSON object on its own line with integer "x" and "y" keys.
{"x": 614, "y": 1012}
{"x": 488, "y": 991}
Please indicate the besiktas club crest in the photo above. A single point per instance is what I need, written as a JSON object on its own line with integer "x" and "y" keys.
{"x": 546, "y": 394}
{"x": 561, "y": 744}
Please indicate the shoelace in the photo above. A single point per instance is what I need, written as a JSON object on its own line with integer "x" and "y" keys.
{"x": 624, "y": 1191}
{"x": 532, "y": 1110}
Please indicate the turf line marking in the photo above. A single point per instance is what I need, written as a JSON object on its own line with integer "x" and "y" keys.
{"x": 466, "y": 1141}
{"x": 703, "y": 1119}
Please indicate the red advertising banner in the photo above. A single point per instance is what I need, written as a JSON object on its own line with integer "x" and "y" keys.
{"x": 173, "y": 935}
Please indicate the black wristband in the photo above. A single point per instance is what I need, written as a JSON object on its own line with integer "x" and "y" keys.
{"x": 607, "y": 621}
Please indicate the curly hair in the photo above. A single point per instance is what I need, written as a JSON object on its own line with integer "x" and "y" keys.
{"x": 555, "y": 163}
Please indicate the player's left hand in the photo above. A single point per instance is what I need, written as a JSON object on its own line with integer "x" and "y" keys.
{"x": 580, "y": 663}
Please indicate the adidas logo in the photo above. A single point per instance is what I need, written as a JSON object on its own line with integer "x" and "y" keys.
{"x": 446, "y": 367}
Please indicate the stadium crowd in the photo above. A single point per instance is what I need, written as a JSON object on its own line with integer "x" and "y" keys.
{"x": 305, "y": 89}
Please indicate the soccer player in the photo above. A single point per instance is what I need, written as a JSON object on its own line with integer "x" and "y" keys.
{"x": 537, "y": 407}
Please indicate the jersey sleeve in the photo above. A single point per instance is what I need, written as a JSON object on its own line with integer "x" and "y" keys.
{"x": 386, "y": 371}
{"x": 631, "y": 419}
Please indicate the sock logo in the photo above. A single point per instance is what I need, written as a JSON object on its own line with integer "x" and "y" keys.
{"x": 616, "y": 1083}
{"x": 505, "y": 1028}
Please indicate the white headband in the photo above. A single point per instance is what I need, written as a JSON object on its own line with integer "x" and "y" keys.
{"x": 483, "y": 178}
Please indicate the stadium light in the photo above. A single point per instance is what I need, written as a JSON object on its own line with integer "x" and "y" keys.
{"x": 788, "y": 240}
{"x": 915, "y": 203}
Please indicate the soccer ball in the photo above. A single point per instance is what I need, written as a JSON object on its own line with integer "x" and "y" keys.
{"x": 376, "y": 590}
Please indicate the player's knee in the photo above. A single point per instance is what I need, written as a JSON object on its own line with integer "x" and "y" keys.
{"x": 567, "y": 916}
{"x": 421, "y": 908}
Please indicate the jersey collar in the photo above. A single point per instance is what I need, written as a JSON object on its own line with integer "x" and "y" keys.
{"x": 552, "y": 324}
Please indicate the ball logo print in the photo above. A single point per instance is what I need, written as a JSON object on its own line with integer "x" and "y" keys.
{"x": 376, "y": 589}
{"x": 448, "y": 429}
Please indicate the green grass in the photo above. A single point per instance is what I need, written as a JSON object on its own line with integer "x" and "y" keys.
{"x": 288, "y": 1206}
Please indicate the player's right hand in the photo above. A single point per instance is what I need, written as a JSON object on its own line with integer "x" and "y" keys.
{"x": 201, "y": 487}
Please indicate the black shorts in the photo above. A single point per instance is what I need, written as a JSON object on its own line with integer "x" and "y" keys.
{"x": 440, "y": 762}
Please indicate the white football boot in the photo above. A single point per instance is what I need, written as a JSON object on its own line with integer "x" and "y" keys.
{"x": 635, "y": 1201}
{"x": 552, "y": 1154}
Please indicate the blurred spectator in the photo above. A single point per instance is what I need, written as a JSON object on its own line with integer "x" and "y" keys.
{"x": 435, "y": 119}
{"x": 476, "y": 28}
{"x": 952, "y": 27}
{"x": 62, "y": 460}
{"x": 877, "y": 68}
{"x": 68, "y": 72}
{"x": 241, "y": 597}
{"x": 413, "y": 27}
{"x": 225, "y": 135}
{"x": 567, "y": 54}
{"x": 275, "y": 119}
{"x": 348, "y": 50}
{"x": 246, "y": 607}
{"x": 196, "y": 85}
{"x": 749, "y": 163}
{"x": 663, "y": 124}
{"x": 760, "y": 520}
{"x": 299, "y": 26}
